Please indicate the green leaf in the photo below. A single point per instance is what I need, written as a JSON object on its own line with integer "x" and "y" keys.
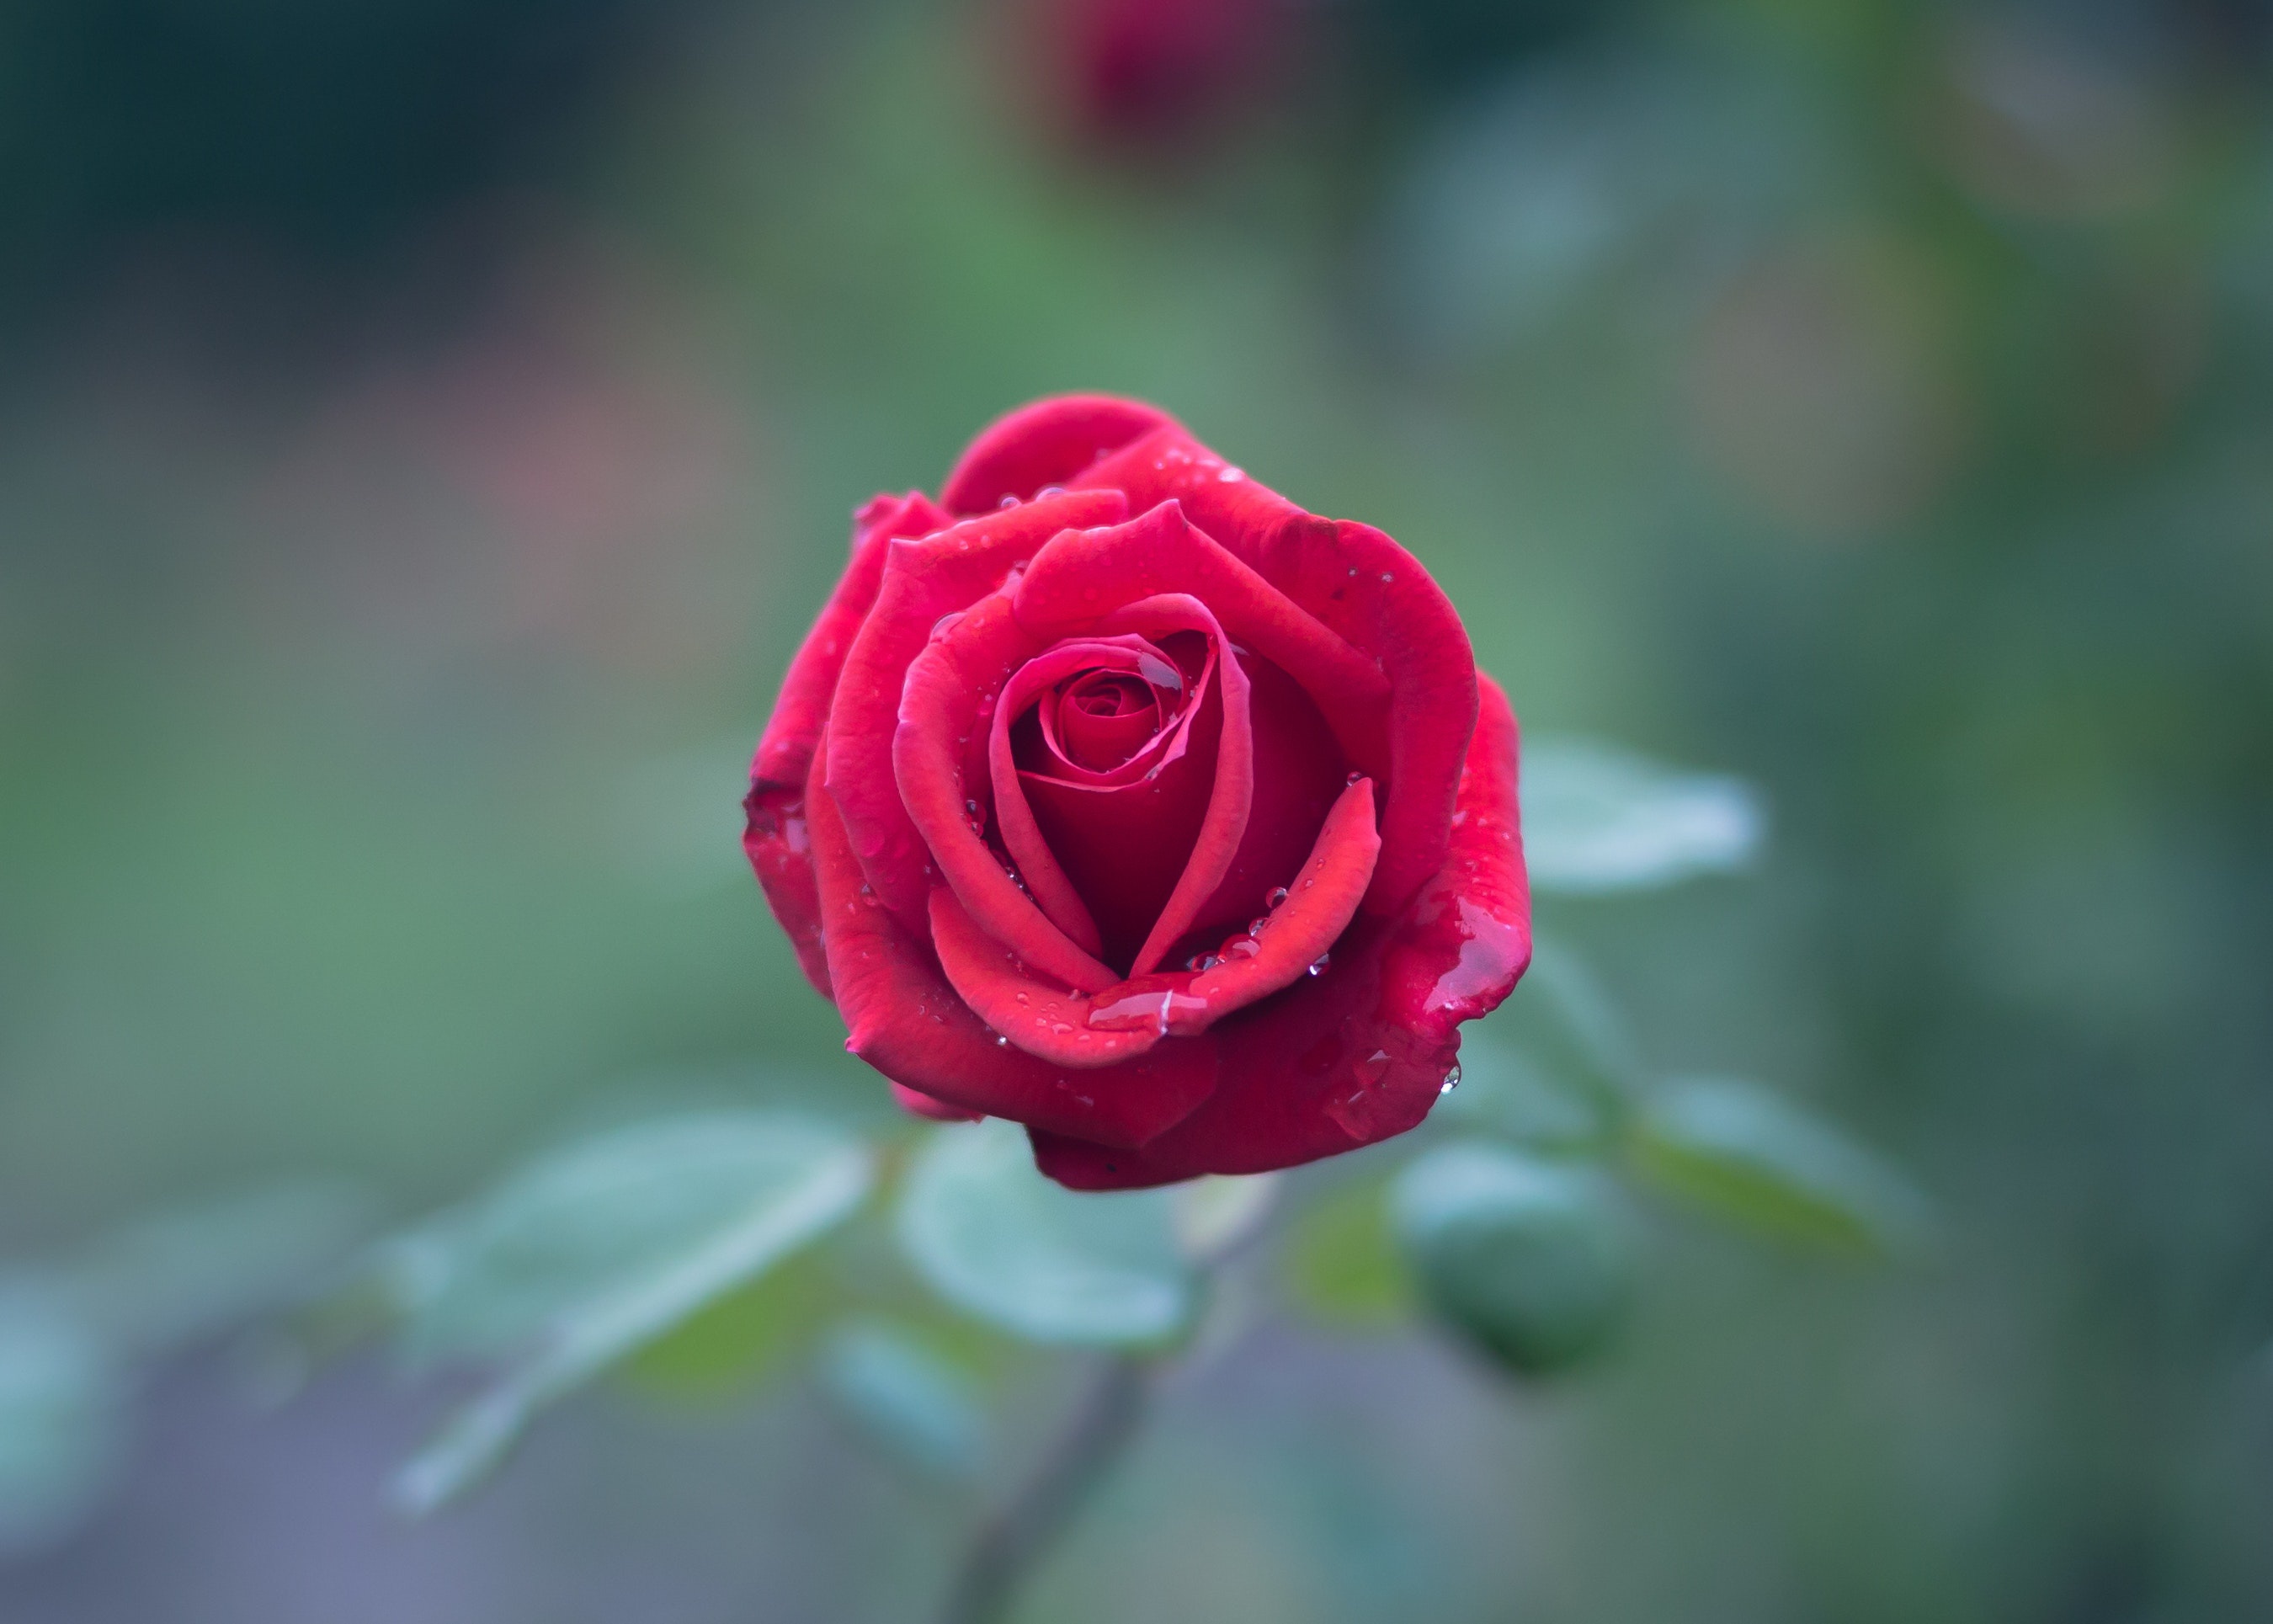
{"x": 746, "y": 1335}
{"x": 61, "y": 1413}
{"x": 1530, "y": 1261}
{"x": 597, "y": 1250}
{"x": 903, "y": 1394}
{"x": 1342, "y": 1264}
{"x": 1597, "y": 818}
{"x": 1000, "y": 1241}
{"x": 1745, "y": 1152}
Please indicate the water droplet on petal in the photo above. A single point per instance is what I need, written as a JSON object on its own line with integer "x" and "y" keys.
{"x": 1160, "y": 672}
{"x": 945, "y": 624}
{"x": 1241, "y": 947}
{"x": 1049, "y": 490}
{"x": 1385, "y": 575}
{"x": 1317, "y": 967}
{"x": 1000, "y": 1042}
{"x": 1278, "y": 895}
{"x": 1008, "y": 501}
{"x": 1353, "y": 779}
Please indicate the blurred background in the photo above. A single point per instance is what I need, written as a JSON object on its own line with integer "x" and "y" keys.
{"x": 425, "y": 430}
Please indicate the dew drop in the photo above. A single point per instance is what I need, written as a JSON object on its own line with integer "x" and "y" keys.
{"x": 1256, "y": 927}
{"x": 1049, "y": 490}
{"x": 1022, "y": 998}
{"x": 1385, "y": 575}
{"x": 945, "y": 624}
{"x": 1353, "y": 779}
{"x": 1000, "y": 1042}
{"x": 1241, "y": 947}
{"x": 1008, "y": 501}
{"x": 1317, "y": 967}
{"x": 1278, "y": 895}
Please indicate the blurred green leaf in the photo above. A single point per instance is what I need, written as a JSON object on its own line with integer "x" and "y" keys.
{"x": 996, "y": 1238}
{"x": 1755, "y": 1157}
{"x": 179, "y": 1275}
{"x": 598, "y": 1249}
{"x": 901, "y": 1393}
{"x": 1597, "y": 817}
{"x": 1342, "y": 1264}
{"x": 61, "y": 1412}
{"x": 1531, "y": 1261}
{"x": 747, "y": 1335}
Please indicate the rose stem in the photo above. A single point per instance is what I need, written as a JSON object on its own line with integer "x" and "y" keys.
{"x": 1006, "y": 1546}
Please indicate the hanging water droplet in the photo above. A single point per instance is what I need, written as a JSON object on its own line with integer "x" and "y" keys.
{"x": 1451, "y": 1080}
{"x": 1317, "y": 967}
{"x": 1352, "y": 778}
{"x": 1000, "y": 1042}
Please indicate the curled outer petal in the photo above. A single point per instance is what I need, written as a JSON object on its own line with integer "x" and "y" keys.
{"x": 1359, "y": 1052}
{"x": 773, "y": 832}
{"x": 1047, "y": 443}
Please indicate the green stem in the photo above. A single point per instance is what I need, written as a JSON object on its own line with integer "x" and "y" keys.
{"x": 1007, "y": 1545}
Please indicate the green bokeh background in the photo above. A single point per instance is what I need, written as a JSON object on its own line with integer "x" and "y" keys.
{"x": 425, "y": 432}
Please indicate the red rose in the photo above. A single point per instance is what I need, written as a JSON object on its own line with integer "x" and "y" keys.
{"x": 1116, "y": 795}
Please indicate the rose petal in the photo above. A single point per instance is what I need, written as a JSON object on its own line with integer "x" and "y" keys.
{"x": 1096, "y": 724}
{"x": 923, "y": 581}
{"x": 1038, "y": 1016}
{"x": 965, "y": 668}
{"x": 1044, "y": 444}
{"x": 774, "y": 830}
{"x": 1359, "y": 1052}
{"x": 919, "y": 1104}
{"x": 1299, "y": 772}
{"x": 1320, "y": 904}
{"x": 776, "y": 843}
{"x": 906, "y": 1021}
{"x": 1086, "y": 574}
{"x": 1231, "y": 799}
{"x": 1374, "y": 593}
{"x": 1054, "y": 892}
{"x": 1168, "y": 464}
{"x": 1361, "y": 585}
{"x": 786, "y": 749}
{"x": 1126, "y": 847}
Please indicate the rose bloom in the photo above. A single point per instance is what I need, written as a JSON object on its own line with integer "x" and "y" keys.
{"x": 1116, "y": 794}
